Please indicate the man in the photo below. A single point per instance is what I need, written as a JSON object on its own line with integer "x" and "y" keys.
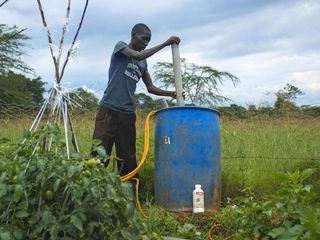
{"x": 115, "y": 121}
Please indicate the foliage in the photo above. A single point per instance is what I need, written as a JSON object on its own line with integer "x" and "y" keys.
{"x": 287, "y": 109}
{"x": 12, "y": 41}
{"x": 167, "y": 224}
{"x": 234, "y": 110}
{"x": 292, "y": 213}
{"x": 17, "y": 89}
{"x": 44, "y": 195}
{"x": 148, "y": 104}
{"x": 289, "y": 92}
{"x": 253, "y": 150}
{"x": 87, "y": 100}
{"x": 200, "y": 83}
{"x": 286, "y": 96}
{"x": 313, "y": 111}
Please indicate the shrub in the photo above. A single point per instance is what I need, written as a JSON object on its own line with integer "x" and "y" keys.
{"x": 44, "y": 195}
{"x": 292, "y": 213}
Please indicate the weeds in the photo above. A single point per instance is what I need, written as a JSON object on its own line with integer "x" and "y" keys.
{"x": 272, "y": 206}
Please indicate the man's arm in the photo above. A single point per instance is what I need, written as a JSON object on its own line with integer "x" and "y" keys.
{"x": 129, "y": 52}
{"x": 153, "y": 89}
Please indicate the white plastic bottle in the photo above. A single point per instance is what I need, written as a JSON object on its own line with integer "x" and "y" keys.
{"x": 198, "y": 199}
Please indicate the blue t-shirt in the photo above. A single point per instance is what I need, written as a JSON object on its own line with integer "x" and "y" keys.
{"x": 124, "y": 74}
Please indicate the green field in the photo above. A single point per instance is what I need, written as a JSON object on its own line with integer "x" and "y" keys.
{"x": 253, "y": 150}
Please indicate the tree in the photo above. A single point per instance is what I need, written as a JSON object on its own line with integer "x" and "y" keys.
{"x": 17, "y": 89}
{"x": 200, "y": 83}
{"x": 286, "y": 96}
{"x": 252, "y": 109}
{"x": 12, "y": 41}
{"x": 313, "y": 111}
{"x": 87, "y": 100}
{"x": 147, "y": 103}
{"x": 234, "y": 110}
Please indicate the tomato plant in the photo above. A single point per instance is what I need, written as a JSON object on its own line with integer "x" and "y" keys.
{"x": 45, "y": 195}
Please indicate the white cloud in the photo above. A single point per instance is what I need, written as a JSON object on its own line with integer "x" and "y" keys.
{"x": 309, "y": 80}
{"x": 144, "y": 7}
{"x": 265, "y": 43}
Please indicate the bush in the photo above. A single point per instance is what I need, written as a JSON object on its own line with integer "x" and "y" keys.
{"x": 44, "y": 195}
{"x": 292, "y": 213}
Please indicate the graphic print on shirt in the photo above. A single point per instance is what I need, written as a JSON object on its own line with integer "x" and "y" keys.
{"x": 133, "y": 71}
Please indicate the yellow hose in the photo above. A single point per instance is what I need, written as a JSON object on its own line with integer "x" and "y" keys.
{"x": 137, "y": 198}
{"x": 145, "y": 150}
{"x": 143, "y": 159}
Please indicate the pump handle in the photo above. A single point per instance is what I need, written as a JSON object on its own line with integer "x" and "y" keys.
{"x": 177, "y": 73}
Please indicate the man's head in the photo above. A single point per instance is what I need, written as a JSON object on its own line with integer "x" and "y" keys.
{"x": 140, "y": 36}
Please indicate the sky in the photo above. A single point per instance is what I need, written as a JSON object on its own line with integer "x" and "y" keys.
{"x": 265, "y": 43}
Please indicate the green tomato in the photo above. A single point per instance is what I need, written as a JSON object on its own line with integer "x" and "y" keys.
{"x": 15, "y": 179}
{"x": 87, "y": 173}
{"x": 48, "y": 195}
{"x": 91, "y": 163}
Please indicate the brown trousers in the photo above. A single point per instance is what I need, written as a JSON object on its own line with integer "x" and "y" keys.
{"x": 113, "y": 127}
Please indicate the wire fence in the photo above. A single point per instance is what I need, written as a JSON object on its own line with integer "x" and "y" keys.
{"x": 271, "y": 158}
{"x": 16, "y": 111}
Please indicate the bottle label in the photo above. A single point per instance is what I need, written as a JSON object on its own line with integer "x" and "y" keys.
{"x": 199, "y": 200}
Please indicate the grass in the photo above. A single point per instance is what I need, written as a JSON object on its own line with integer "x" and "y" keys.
{"x": 253, "y": 150}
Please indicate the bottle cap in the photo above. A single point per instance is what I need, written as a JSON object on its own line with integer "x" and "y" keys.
{"x": 197, "y": 186}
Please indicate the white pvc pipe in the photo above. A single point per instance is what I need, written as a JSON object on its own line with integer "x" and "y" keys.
{"x": 177, "y": 73}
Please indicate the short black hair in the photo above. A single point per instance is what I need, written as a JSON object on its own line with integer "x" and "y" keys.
{"x": 138, "y": 27}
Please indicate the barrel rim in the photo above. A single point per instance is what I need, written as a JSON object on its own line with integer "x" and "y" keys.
{"x": 187, "y": 107}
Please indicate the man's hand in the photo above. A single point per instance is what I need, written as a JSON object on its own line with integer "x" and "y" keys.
{"x": 174, "y": 94}
{"x": 171, "y": 40}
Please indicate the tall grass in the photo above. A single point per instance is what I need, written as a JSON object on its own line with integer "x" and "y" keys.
{"x": 253, "y": 150}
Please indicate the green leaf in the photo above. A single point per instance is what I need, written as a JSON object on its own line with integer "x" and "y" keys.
{"x": 126, "y": 234}
{"x": 71, "y": 171}
{"x": 292, "y": 233}
{"x": 18, "y": 192}
{"x": 279, "y": 205}
{"x": 274, "y": 233}
{"x": 47, "y": 217}
{"x": 4, "y": 140}
{"x": 101, "y": 152}
{"x": 3, "y": 190}
{"x": 307, "y": 188}
{"x": 56, "y": 184}
{"x": 5, "y": 236}
{"x": 76, "y": 221}
{"x": 305, "y": 174}
{"x": 27, "y": 133}
{"x": 17, "y": 234}
{"x": 309, "y": 219}
{"x": 22, "y": 214}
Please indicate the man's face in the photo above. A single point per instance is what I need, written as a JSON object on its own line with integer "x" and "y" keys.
{"x": 141, "y": 39}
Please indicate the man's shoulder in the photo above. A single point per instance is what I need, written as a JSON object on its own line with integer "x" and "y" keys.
{"x": 119, "y": 46}
{"x": 121, "y": 43}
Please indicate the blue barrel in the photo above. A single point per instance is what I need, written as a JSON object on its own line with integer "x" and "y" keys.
{"x": 187, "y": 152}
